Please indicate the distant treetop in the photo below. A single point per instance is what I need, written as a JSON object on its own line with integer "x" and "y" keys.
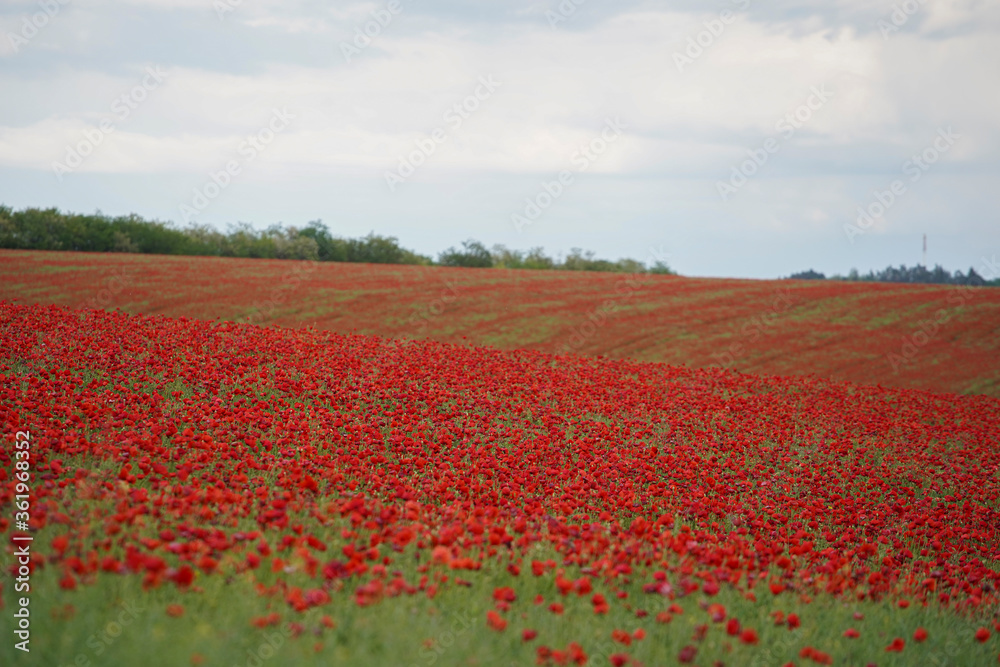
{"x": 50, "y": 229}
{"x": 917, "y": 274}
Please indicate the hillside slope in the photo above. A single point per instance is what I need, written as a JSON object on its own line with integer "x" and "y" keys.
{"x": 230, "y": 480}
{"x": 919, "y": 336}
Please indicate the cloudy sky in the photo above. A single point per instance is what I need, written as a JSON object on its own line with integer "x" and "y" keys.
{"x": 737, "y": 138}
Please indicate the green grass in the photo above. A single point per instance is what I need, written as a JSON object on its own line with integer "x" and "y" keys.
{"x": 116, "y": 622}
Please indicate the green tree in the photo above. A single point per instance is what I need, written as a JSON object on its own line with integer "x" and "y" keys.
{"x": 473, "y": 254}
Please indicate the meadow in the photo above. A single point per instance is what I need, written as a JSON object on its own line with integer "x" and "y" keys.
{"x": 216, "y": 493}
{"x": 938, "y": 338}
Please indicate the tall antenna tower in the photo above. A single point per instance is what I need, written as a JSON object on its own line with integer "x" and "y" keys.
{"x": 925, "y": 251}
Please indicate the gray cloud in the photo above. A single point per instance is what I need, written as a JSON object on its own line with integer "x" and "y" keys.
{"x": 686, "y": 130}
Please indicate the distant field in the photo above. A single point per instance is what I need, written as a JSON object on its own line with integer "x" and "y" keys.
{"x": 938, "y": 338}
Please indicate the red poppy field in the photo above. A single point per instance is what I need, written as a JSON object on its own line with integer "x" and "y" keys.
{"x": 937, "y": 338}
{"x": 217, "y": 493}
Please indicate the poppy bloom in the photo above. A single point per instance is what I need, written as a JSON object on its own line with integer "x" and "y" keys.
{"x": 896, "y": 646}
{"x": 621, "y": 637}
{"x": 495, "y": 620}
{"x": 817, "y": 656}
{"x": 309, "y": 470}
{"x": 505, "y": 594}
{"x": 576, "y": 654}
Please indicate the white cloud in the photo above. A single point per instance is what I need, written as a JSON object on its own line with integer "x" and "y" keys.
{"x": 557, "y": 90}
{"x": 558, "y": 87}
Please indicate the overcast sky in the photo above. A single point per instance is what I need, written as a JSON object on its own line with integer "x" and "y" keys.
{"x": 735, "y": 138}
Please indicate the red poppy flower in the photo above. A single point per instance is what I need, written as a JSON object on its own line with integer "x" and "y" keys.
{"x": 495, "y": 620}
{"x": 896, "y": 646}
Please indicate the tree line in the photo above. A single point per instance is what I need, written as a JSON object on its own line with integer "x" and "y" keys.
{"x": 50, "y": 229}
{"x": 903, "y": 274}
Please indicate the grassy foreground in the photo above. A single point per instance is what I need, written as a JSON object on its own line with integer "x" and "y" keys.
{"x": 113, "y": 621}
